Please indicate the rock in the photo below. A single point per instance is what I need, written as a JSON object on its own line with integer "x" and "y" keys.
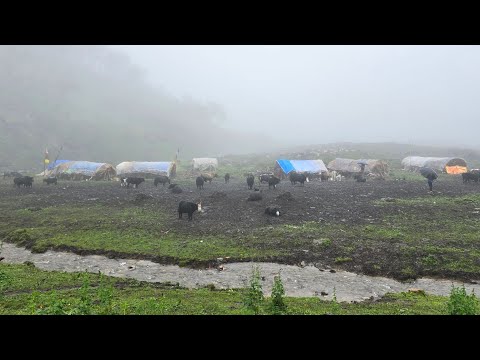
{"x": 302, "y": 264}
{"x": 332, "y": 271}
{"x": 220, "y": 259}
{"x": 323, "y": 293}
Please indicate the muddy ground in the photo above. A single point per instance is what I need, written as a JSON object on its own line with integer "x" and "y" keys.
{"x": 228, "y": 213}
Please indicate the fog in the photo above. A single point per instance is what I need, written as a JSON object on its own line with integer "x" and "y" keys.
{"x": 321, "y": 94}
{"x": 124, "y": 103}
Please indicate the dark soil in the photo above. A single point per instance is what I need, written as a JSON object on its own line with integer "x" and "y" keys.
{"x": 228, "y": 213}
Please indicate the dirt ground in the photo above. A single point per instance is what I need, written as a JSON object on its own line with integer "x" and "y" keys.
{"x": 228, "y": 213}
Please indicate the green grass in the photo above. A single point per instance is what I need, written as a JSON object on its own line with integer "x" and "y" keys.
{"x": 34, "y": 291}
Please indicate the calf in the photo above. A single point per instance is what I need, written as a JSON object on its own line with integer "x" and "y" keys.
{"x": 199, "y": 181}
{"x": 123, "y": 181}
{"x": 273, "y": 211}
{"x": 273, "y": 181}
{"x": 324, "y": 176}
{"x": 264, "y": 178}
{"x": 135, "y": 181}
{"x": 294, "y": 177}
{"x": 227, "y": 178}
{"x": 250, "y": 181}
{"x": 466, "y": 177}
{"x": 50, "y": 181}
{"x": 161, "y": 180}
{"x": 189, "y": 208}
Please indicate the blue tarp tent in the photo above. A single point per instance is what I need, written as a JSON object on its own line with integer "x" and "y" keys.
{"x": 142, "y": 168}
{"x": 55, "y": 163}
{"x": 300, "y": 166}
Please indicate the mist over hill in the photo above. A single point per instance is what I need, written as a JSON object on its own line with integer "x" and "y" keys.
{"x": 96, "y": 105}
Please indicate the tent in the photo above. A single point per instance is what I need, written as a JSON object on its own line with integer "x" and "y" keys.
{"x": 205, "y": 164}
{"x": 449, "y": 165}
{"x": 146, "y": 168}
{"x": 55, "y": 163}
{"x": 351, "y": 166}
{"x": 79, "y": 170}
{"x": 284, "y": 167}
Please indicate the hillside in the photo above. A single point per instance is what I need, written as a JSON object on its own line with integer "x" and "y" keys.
{"x": 96, "y": 104}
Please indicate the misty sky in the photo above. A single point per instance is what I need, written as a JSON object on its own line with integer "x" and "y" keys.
{"x": 321, "y": 94}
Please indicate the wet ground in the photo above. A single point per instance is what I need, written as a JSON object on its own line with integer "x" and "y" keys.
{"x": 305, "y": 281}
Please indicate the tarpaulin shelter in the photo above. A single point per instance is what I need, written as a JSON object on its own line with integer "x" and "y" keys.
{"x": 449, "y": 165}
{"x": 79, "y": 170}
{"x": 146, "y": 168}
{"x": 55, "y": 163}
{"x": 284, "y": 167}
{"x": 205, "y": 164}
{"x": 352, "y": 166}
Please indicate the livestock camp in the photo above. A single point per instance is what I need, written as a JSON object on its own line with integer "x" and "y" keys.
{"x": 239, "y": 180}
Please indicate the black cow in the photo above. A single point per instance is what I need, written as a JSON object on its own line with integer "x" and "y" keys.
{"x": 200, "y": 181}
{"x": 123, "y": 181}
{"x": 294, "y": 177}
{"x": 189, "y": 208}
{"x": 324, "y": 176}
{"x": 264, "y": 178}
{"x": 250, "y": 181}
{"x": 26, "y": 181}
{"x": 360, "y": 178}
{"x": 50, "y": 181}
{"x": 135, "y": 181}
{"x": 466, "y": 177}
{"x": 227, "y": 178}
{"x": 273, "y": 181}
{"x": 273, "y": 211}
{"x": 161, "y": 180}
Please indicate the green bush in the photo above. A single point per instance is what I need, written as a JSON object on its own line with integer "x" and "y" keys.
{"x": 459, "y": 303}
{"x": 254, "y": 296}
{"x": 278, "y": 305}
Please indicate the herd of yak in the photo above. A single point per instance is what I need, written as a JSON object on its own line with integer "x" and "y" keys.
{"x": 190, "y": 207}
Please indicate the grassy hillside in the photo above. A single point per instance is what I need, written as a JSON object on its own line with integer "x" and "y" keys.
{"x": 97, "y": 105}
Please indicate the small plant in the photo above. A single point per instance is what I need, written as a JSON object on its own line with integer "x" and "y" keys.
{"x": 278, "y": 305}
{"x": 105, "y": 295}
{"x": 254, "y": 296}
{"x": 459, "y": 303}
{"x": 336, "y": 305}
{"x": 85, "y": 306}
{"x": 5, "y": 282}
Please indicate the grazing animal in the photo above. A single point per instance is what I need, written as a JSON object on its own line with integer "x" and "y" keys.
{"x": 161, "y": 180}
{"x": 123, "y": 181}
{"x": 360, "y": 178}
{"x": 466, "y": 177}
{"x": 200, "y": 181}
{"x": 135, "y": 181}
{"x": 189, "y": 208}
{"x": 177, "y": 189}
{"x": 50, "y": 181}
{"x": 273, "y": 211}
{"x": 264, "y": 178}
{"x": 273, "y": 181}
{"x": 26, "y": 181}
{"x": 324, "y": 176}
{"x": 294, "y": 177}
{"x": 250, "y": 181}
{"x": 227, "y": 178}
{"x": 256, "y": 196}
